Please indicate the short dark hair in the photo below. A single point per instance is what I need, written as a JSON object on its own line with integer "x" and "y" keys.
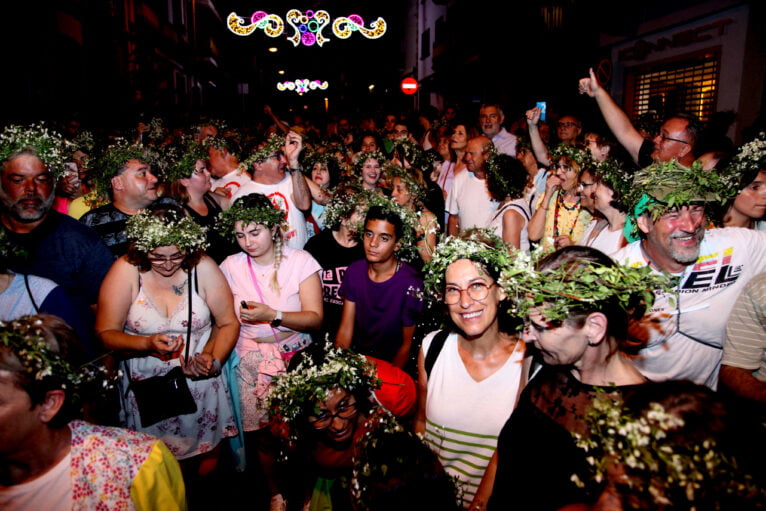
{"x": 388, "y": 215}
{"x": 506, "y": 177}
{"x": 693, "y": 127}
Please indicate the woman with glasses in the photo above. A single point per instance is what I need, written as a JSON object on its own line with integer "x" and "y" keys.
{"x": 578, "y": 305}
{"x": 324, "y": 406}
{"x": 560, "y": 219}
{"x": 166, "y": 304}
{"x": 190, "y": 185}
{"x": 471, "y": 373}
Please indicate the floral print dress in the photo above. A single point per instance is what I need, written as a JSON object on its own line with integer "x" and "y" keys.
{"x": 185, "y": 435}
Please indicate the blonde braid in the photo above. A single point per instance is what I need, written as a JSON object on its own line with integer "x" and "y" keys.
{"x": 274, "y": 284}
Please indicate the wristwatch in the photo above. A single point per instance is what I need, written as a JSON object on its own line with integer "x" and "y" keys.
{"x": 277, "y": 319}
{"x": 297, "y": 169}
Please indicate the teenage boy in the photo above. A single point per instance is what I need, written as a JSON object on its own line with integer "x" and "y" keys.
{"x": 381, "y": 295}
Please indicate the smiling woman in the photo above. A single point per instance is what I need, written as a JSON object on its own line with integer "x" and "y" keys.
{"x": 475, "y": 365}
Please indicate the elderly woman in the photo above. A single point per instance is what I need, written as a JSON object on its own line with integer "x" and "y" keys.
{"x": 559, "y": 218}
{"x": 51, "y": 460}
{"x": 190, "y": 184}
{"x": 325, "y": 404}
{"x": 163, "y": 305}
{"x": 577, "y": 304}
{"x": 471, "y": 374}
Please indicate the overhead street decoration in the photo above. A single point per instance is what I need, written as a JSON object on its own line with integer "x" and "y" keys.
{"x": 307, "y": 26}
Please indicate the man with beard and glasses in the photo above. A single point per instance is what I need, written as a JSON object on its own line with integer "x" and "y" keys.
{"x": 57, "y": 246}
{"x": 682, "y": 336}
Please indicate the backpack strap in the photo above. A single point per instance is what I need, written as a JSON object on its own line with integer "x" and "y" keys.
{"x": 434, "y": 349}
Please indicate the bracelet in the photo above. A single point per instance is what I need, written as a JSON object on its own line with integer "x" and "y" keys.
{"x": 297, "y": 169}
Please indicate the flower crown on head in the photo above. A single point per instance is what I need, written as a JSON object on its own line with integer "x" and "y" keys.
{"x": 376, "y": 155}
{"x": 84, "y": 141}
{"x": 579, "y": 155}
{"x": 343, "y": 202}
{"x": 613, "y": 175}
{"x": 273, "y": 146}
{"x": 415, "y": 155}
{"x": 264, "y": 214}
{"x": 300, "y": 390}
{"x": 52, "y": 149}
{"x": 392, "y": 170}
{"x": 750, "y": 157}
{"x": 24, "y": 337}
{"x": 114, "y": 157}
{"x": 575, "y": 285}
{"x": 481, "y": 246}
{"x": 657, "y": 470}
{"x": 182, "y": 160}
{"x": 147, "y": 231}
{"x": 669, "y": 185}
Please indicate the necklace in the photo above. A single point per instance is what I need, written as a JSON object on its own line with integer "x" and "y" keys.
{"x": 557, "y": 212}
{"x": 179, "y": 290}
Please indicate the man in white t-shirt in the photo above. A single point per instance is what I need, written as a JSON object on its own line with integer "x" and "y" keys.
{"x": 468, "y": 202}
{"x": 228, "y": 175}
{"x": 278, "y": 175}
{"x": 685, "y": 330}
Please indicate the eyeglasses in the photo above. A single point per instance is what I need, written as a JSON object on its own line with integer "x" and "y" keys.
{"x": 586, "y": 185}
{"x": 567, "y": 124}
{"x": 157, "y": 260}
{"x": 562, "y": 166}
{"x": 663, "y": 137}
{"x": 477, "y": 291}
{"x": 345, "y": 411}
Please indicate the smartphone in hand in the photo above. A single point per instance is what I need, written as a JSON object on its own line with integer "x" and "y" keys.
{"x": 542, "y": 105}
{"x": 244, "y": 304}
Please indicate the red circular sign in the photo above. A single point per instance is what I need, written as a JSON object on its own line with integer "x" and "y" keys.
{"x": 409, "y": 85}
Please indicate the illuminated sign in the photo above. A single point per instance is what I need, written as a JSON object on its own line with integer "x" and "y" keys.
{"x": 301, "y": 86}
{"x": 307, "y": 26}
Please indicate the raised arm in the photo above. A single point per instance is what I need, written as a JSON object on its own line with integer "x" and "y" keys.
{"x": 615, "y": 117}
{"x": 301, "y": 192}
{"x": 538, "y": 146}
{"x": 536, "y": 227}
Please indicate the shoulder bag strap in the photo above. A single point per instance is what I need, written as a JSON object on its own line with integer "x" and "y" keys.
{"x": 434, "y": 349}
{"x": 29, "y": 292}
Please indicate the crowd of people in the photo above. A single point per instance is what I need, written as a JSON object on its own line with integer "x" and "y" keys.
{"x": 412, "y": 312}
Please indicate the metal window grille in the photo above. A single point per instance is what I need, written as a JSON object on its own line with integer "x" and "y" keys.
{"x": 690, "y": 85}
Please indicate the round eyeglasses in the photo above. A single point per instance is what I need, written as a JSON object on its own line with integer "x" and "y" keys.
{"x": 477, "y": 291}
{"x": 345, "y": 411}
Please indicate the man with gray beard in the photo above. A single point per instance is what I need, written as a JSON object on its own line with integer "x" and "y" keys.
{"x": 57, "y": 246}
{"x": 682, "y": 336}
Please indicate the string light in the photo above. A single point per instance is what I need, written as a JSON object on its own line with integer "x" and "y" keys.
{"x": 302, "y": 86}
{"x": 307, "y": 26}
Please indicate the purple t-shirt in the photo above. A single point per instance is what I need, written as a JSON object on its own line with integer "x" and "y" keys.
{"x": 382, "y": 308}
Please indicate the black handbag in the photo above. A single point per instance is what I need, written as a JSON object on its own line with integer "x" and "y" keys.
{"x": 161, "y": 397}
